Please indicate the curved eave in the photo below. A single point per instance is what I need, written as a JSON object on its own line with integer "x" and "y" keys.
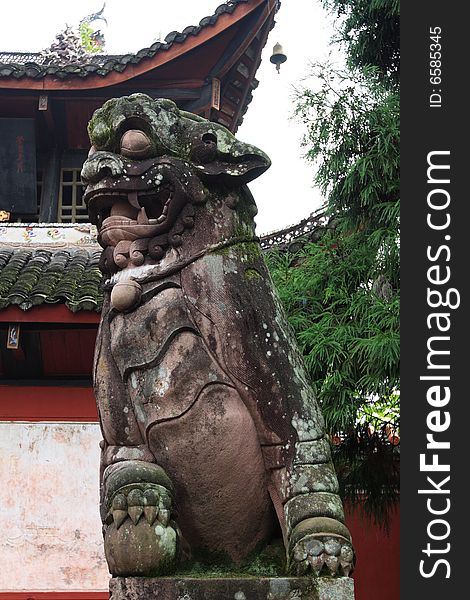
{"x": 162, "y": 57}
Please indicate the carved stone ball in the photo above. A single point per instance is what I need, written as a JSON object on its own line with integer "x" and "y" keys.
{"x": 135, "y": 144}
{"x": 125, "y": 295}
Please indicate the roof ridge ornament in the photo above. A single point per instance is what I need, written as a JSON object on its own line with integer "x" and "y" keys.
{"x": 74, "y": 45}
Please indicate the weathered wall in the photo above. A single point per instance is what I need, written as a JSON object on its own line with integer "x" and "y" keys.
{"x": 50, "y": 530}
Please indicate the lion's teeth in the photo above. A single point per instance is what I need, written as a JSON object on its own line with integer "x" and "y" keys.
{"x": 142, "y": 218}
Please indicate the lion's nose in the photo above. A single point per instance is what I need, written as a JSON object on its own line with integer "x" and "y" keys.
{"x": 136, "y": 144}
{"x": 99, "y": 165}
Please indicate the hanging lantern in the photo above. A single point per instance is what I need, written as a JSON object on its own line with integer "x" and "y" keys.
{"x": 278, "y": 56}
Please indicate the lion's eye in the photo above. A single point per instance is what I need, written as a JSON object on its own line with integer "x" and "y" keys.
{"x": 135, "y": 144}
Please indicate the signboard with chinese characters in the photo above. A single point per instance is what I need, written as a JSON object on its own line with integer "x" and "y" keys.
{"x": 18, "y": 166}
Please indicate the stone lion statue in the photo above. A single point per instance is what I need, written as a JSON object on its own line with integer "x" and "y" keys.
{"x": 213, "y": 443}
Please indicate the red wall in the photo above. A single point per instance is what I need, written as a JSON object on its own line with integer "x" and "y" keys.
{"x": 47, "y": 403}
{"x": 377, "y": 574}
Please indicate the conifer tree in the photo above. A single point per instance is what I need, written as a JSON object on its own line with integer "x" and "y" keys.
{"x": 342, "y": 292}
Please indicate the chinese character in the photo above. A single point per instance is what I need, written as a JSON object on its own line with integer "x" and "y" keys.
{"x": 20, "y": 153}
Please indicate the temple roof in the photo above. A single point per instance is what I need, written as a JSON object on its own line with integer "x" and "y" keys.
{"x": 35, "y": 65}
{"x": 208, "y": 68}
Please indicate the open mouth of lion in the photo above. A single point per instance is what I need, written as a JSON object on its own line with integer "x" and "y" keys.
{"x": 141, "y": 208}
{"x": 121, "y": 213}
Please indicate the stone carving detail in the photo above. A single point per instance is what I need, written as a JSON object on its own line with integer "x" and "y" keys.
{"x": 213, "y": 441}
{"x": 69, "y": 46}
{"x": 66, "y": 49}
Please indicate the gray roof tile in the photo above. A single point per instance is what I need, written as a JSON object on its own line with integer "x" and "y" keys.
{"x": 32, "y": 277}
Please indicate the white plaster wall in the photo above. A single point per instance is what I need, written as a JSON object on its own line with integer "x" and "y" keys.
{"x": 50, "y": 530}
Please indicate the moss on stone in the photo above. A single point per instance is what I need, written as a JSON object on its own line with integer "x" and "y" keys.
{"x": 268, "y": 562}
{"x": 243, "y": 231}
{"x": 223, "y": 251}
{"x": 252, "y": 274}
{"x": 248, "y": 251}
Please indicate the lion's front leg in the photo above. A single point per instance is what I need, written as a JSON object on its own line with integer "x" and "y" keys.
{"x": 140, "y": 536}
{"x": 317, "y": 539}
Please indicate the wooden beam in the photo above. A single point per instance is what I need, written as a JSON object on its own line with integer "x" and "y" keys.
{"x": 48, "y": 117}
{"x": 254, "y": 66}
{"x": 50, "y": 187}
{"x": 179, "y": 89}
{"x": 47, "y": 313}
{"x": 199, "y": 106}
{"x": 227, "y": 107}
{"x": 162, "y": 92}
{"x": 235, "y": 49}
{"x": 178, "y": 86}
{"x": 232, "y": 93}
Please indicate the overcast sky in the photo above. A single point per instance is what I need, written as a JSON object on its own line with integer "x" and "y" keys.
{"x": 285, "y": 193}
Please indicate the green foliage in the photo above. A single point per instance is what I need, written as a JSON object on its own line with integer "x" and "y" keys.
{"x": 86, "y": 35}
{"x": 342, "y": 293}
{"x": 347, "y": 330}
{"x": 353, "y": 138}
{"x": 370, "y": 32}
{"x": 348, "y": 319}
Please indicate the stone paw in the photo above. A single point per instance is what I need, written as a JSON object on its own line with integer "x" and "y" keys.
{"x": 321, "y": 546}
{"x": 140, "y": 536}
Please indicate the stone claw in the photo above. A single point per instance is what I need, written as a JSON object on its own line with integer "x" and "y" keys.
{"x": 151, "y": 497}
{"x": 135, "y": 507}
{"x": 301, "y": 568}
{"x": 324, "y": 544}
{"x": 314, "y": 547}
{"x": 150, "y": 513}
{"x": 346, "y": 559}
{"x": 137, "y": 503}
{"x": 119, "y": 509}
{"x": 300, "y": 553}
{"x": 329, "y": 556}
{"x": 316, "y": 562}
{"x": 332, "y": 564}
{"x": 332, "y": 546}
{"x": 163, "y": 516}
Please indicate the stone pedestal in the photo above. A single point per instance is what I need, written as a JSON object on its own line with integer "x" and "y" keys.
{"x": 252, "y": 588}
